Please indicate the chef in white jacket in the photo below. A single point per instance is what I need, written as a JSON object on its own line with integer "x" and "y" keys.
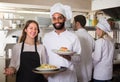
{"x": 83, "y": 64}
{"x": 61, "y": 37}
{"x": 103, "y": 54}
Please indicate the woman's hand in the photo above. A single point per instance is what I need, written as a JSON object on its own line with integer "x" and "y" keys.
{"x": 9, "y": 71}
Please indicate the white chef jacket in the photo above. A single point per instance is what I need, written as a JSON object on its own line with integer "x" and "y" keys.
{"x": 54, "y": 41}
{"x": 103, "y": 58}
{"x": 84, "y": 64}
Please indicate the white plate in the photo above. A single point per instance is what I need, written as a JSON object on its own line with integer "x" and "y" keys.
{"x": 61, "y": 69}
{"x": 63, "y": 53}
{"x": 41, "y": 69}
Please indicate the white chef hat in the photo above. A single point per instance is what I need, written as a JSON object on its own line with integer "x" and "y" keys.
{"x": 65, "y": 10}
{"x": 103, "y": 25}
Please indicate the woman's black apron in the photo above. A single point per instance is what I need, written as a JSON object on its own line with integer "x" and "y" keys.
{"x": 28, "y": 61}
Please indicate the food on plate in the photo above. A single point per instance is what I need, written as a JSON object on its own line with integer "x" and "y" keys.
{"x": 47, "y": 66}
{"x": 64, "y": 49}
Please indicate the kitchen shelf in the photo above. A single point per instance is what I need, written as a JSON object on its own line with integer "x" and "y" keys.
{"x": 11, "y": 29}
{"x": 11, "y": 19}
{"x": 11, "y": 23}
{"x": 92, "y": 28}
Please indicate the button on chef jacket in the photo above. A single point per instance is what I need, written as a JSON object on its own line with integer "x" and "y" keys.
{"x": 54, "y": 41}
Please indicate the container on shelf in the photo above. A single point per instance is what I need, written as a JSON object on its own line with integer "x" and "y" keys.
{"x": 9, "y": 53}
{"x": 94, "y": 21}
{"x": 14, "y": 25}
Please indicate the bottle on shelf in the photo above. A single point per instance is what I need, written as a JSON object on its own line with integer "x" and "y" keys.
{"x": 94, "y": 21}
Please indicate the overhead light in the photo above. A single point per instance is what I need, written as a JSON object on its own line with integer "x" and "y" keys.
{"x": 33, "y": 12}
{"x": 19, "y": 8}
{"x": 21, "y": 11}
{"x": 2, "y": 4}
{"x": 7, "y": 10}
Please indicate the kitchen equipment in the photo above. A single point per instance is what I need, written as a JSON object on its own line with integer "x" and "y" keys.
{"x": 118, "y": 56}
{"x": 43, "y": 22}
{"x": 9, "y": 53}
{"x": 14, "y": 25}
{"x": 1, "y": 24}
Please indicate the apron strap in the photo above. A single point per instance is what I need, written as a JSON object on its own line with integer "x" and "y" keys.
{"x": 35, "y": 47}
{"x": 22, "y": 47}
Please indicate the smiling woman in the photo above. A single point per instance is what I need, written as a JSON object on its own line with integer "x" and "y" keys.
{"x": 27, "y": 55}
{"x": 31, "y": 31}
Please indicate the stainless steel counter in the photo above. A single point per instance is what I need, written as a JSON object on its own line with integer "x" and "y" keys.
{"x": 116, "y": 61}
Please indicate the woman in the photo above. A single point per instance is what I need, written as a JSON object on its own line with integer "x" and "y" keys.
{"x": 27, "y": 55}
{"x": 103, "y": 54}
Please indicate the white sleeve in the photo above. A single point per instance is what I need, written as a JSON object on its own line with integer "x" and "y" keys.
{"x": 44, "y": 56}
{"x": 93, "y": 45}
{"x": 97, "y": 55}
{"x": 15, "y": 57}
{"x": 44, "y": 41}
{"x": 77, "y": 46}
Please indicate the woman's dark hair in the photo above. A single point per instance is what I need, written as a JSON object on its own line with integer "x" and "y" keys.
{"x": 23, "y": 37}
{"x": 81, "y": 19}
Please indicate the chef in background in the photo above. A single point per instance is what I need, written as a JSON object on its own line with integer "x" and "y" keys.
{"x": 103, "y": 54}
{"x": 61, "y": 37}
{"x": 83, "y": 63}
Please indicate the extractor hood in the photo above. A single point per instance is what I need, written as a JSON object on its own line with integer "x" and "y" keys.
{"x": 109, "y": 7}
{"x": 43, "y": 22}
{"x": 46, "y": 22}
{"x": 113, "y": 12}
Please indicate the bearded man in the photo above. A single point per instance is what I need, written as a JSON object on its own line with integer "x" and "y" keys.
{"x": 61, "y": 37}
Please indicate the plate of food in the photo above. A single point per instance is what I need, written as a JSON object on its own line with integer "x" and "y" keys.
{"x": 63, "y": 51}
{"x": 47, "y": 67}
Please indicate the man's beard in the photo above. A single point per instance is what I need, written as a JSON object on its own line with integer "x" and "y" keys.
{"x": 61, "y": 26}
